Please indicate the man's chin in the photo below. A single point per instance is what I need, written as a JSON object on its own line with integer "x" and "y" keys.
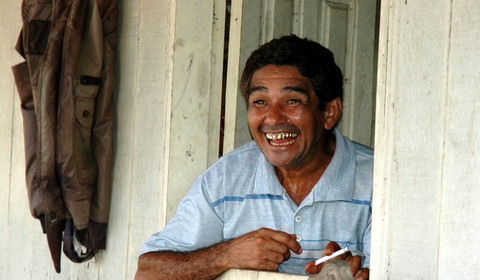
{"x": 280, "y": 162}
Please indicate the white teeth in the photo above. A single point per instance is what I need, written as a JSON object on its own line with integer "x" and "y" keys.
{"x": 280, "y": 136}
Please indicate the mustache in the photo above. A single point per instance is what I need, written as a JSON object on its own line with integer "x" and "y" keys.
{"x": 279, "y": 128}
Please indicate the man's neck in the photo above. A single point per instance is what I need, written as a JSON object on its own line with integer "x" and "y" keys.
{"x": 299, "y": 182}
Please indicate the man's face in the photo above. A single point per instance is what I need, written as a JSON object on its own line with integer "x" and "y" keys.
{"x": 283, "y": 116}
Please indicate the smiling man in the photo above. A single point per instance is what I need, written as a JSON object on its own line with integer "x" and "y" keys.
{"x": 300, "y": 190}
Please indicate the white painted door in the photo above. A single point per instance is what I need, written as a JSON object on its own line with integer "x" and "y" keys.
{"x": 347, "y": 27}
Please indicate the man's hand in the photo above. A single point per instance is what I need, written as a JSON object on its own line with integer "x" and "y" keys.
{"x": 354, "y": 261}
{"x": 263, "y": 249}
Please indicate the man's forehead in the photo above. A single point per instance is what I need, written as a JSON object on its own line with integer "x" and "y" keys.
{"x": 286, "y": 76}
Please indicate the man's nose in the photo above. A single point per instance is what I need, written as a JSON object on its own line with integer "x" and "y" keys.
{"x": 275, "y": 115}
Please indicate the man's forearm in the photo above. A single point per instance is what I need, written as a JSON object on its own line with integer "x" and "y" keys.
{"x": 202, "y": 264}
{"x": 262, "y": 249}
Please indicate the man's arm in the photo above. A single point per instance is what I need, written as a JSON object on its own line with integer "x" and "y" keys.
{"x": 202, "y": 264}
{"x": 263, "y": 249}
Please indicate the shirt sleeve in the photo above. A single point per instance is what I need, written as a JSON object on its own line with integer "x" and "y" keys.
{"x": 196, "y": 225}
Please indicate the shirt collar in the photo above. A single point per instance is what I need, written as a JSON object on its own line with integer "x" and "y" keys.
{"x": 338, "y": 180}
{"x": 266, "y": 180}
{"x": 336, "y": 183}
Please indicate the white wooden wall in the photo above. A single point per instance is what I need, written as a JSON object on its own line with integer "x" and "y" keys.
{"x": 170, "y": 59}
{"x": 427, "y": 181}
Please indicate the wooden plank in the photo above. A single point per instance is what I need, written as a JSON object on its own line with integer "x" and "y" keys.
{"x": 252, "y": 24}
{"x": 233, "y": 74}
{"x": 379, "y": 266}
{"x": 408, "y": 171}
{"x": 8, "y": 13}
{"x": 279, "y": 19}
{"x": 461, "y": 180}
{"x": 194, "y": 127}
{"x": 118, "y": 261}
{"x": 22, "y": 228}
{"x": 246, "y": 274}
{"x": 147, "y": 94}
{"x": 217, "y": 77}
{"x": 347, "y": 28}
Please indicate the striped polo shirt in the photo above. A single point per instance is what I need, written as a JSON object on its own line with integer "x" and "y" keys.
{"x": 241, "y": 193}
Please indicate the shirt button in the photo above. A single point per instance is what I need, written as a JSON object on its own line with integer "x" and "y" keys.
{"x": 298, "y": 219}
{"x": 299, "y": 237}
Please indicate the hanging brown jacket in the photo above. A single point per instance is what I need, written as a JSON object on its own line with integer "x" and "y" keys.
{"x": 66, "y": 90}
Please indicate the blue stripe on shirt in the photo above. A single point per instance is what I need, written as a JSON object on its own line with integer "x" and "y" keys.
{"x": 249, "y": 196}
{"x": 274, "y": 197}
{"x": 358, "y": 202}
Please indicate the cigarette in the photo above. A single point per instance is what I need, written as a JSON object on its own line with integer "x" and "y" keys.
{"x": 335, "y": 254}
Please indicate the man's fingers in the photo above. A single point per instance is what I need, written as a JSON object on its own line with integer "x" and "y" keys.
{"x": 314, "y": 269}
{"x": 286, "y": 256}
{"x": 264, "y": 249}
{"x": 282, "y": 242}
{"x": 355, "y": 262}
{"x": 360, "y": 273}
{"x": 363, "y": 274}
{"x": 290, "y": 240}
{"x": 331, "y": 248}
{"x": 311, "y": 268}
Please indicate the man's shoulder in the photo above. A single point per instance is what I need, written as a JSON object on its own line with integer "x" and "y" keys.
{"x": 246, "y": 151}
{"x": 233, "y": 169}
{"x": 351, "y": 148}
{"x": 243, "y": 156}
{"x": 363, "y": 171}
{"x": 363, "y": 152}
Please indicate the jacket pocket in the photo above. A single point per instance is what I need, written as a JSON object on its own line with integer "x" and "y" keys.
{"x": 37, "y": 36}
{"x": 84, "y": 154}
{"x": 37, "y": 16}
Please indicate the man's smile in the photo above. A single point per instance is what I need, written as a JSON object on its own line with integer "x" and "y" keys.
{"x": 282, "y": 138}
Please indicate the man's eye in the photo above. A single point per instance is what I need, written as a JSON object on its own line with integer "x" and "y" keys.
{"x": 293, "y": 101}
{"x": 258, "y": 102}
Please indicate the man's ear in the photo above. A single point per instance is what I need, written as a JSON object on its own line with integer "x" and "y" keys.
{"x": 332, "y": 113}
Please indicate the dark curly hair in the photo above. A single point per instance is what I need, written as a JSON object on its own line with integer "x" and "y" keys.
{"x": 312, "y": 60}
